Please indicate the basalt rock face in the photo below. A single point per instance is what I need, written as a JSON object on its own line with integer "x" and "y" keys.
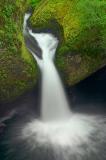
{"x": 81, "y": 29}
{"x": 18, "y": 71}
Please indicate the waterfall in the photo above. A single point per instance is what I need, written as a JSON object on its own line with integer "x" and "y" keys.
{"x": 56, "y": 135}
{"x": 54, "y": 104}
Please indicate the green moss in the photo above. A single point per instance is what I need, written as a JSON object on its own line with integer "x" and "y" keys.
{"x": 16, "y": 76}
{"x": 33, "y": 3}
{"x": 76, "y": 67}
{"x": 83, "y": 24}
{"x": 18, "y": 70}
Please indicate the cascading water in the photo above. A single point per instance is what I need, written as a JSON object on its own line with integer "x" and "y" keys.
{"x": 59, "y": 134}
{"x": 54, "y": 103}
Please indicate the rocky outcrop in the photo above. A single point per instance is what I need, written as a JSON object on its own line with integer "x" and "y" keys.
{"x": 81, "y": 29}
{"x": 18, "y": 71}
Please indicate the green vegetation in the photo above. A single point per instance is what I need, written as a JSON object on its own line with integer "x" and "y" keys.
{"x": 82, "y": 28}
{"x": 16, "y": 76}
{"x": 18, "y": 71}
{"x": 33, "y": 3}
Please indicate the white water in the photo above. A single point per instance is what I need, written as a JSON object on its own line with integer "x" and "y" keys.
{"x": 54, "y": 103}
{"x": 26, "y": 17}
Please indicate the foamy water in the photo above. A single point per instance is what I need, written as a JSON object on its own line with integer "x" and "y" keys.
{"x": 69, "y": 133}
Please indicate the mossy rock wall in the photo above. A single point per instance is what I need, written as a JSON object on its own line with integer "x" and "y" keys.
{"x": 80, "y": 26}
{"x": 82, "y": 48}
{"x": 18, "y": 70}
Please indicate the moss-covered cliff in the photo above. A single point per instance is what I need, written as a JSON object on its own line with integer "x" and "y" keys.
{"x": 18, "y": 71}
{"x": 80, "y": 26}
{"x": 82, "y": 32}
